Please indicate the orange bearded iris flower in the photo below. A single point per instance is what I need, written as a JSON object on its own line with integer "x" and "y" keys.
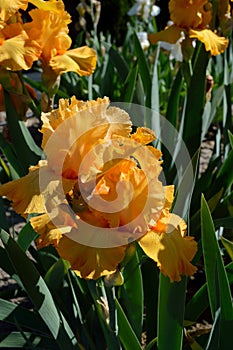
{"x": 99, "y": 191}
{"x": 50, "y": 30}
{"x": 193, "y": 18}
{"x": 9, "y": 8}
{"x": 44, "y": 38}
{"x": 17, "y": 50}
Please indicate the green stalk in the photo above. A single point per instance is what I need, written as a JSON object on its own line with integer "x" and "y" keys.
{"x": 31, "y": 104}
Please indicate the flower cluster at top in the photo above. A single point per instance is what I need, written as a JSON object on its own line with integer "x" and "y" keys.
{"x": 44, "y": 38}
{"x": 197, "y": 19}
{"x": 99, "y": 192}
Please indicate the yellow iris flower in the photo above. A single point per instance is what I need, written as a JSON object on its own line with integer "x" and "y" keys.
{"x": 193, "y": 18}
{"x": 9, "y": 8}
{"x": 110, "y": 185}
{"x": 17, "y": 50}
{"x": 45, "y": 38}
{"x": 50, "y": 30}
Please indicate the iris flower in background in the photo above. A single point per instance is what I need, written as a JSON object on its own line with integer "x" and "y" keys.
{"x": 110, "y": 183}
{"x": 50, "y": 30}
{"x": 17, "y": 50}
{"x": 143, "y": 38}
{"x": 193, "y": 18}
{"x": 145, "y": 9}
{"x": 175, "y": 49}
{"x": 10, "y": 8}
{"x": 44, "y": 38}
{"x": 225, "y": 17}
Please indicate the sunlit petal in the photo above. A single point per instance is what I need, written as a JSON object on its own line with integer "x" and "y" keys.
{"x": 213, "y": 43}
{"x": 9, "y": 8}
{"x": 48, "y": 232}
{"x": 29, "y": 196}
{"x": 170, "y": 35}
{"x": 17, "y": 51}
{"x": 81, "y": 126}
{"x": 143, "y": 135}
{"x": 93, "y": 112}
{"x": 51, "y": 5}
{"x": 50, "y": 30}
{"x": 172, "y": 250}
{"x": 25, "y": 193}
{"x": 189, "y": 14}
{"x": 81, "y": 60}
{"x": 88, "y": 262}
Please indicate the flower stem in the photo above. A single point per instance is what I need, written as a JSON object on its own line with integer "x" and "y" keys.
{"x": 110, "y": 293}
{"x": 31, "y": 104}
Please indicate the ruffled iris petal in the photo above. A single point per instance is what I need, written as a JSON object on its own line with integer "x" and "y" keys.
{"x": 213, "y": 43}
{"x": 55, "y": 6}
{"x": 171, "y": 250}
{"x": 89, "y": 262}
{"x": 50, "y": 30}
{"x": 48, "y": 232}
{"x": 17, "y": 51}
{"x": 29, "y": 196}
{"x": 91, "y": 124}
{"x": 193, "y": 18}
{"x": 9, "y": 8}
{"x": 81, "y": 60}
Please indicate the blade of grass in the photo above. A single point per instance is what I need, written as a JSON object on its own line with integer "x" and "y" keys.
{"x": 118, "y": 61}
{"x": 171, "y": 313}
{"x": 217, "y": 282}
{"x": 112, "y": 340}
{"x": 26, "y": 236}
{"x": 15, "y": 340}
{"x": 127, "y": 336}
{"x": 26, "y": 156}
{"x": 11, "y": 156}
{"x": 150, "y": 274}
{"x": 130, "y": 85}
{"x": 228, "y": 246}
{"x": 173, "y": 102}
{"x": 26, "y": 318}
{"x": 38, "y": 293}
{"x": 195, "y": 97}
{"x": 143, "y": 70}
{"x": 200, "y": 302}
{"x": 131, "y": 293}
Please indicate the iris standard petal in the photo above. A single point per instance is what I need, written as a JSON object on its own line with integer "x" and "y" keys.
{"x": 51, "y": 5}
{"x": 188, "y": 13}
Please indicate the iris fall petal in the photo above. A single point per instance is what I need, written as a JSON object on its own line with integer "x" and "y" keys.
{"x": 171, "y": 250}
{"x": 81, "y": 60}
{"x": 213, "y": 43}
